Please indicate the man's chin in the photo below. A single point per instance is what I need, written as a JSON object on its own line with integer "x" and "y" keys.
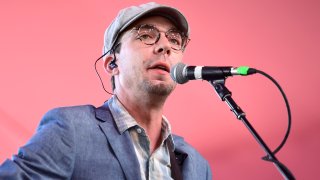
{"x": 159, "y": 88}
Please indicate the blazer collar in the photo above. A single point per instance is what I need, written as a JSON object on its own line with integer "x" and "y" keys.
{"x": 121, "y": 144}
{"x": 103, "y": 113}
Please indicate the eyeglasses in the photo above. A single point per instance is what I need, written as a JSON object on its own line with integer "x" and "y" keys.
{"x": 150, "y": 35}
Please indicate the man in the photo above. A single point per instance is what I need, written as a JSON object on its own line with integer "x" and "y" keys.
{"x": 127, "y": 137}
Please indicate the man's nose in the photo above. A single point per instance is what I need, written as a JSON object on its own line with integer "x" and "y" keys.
{"x": 163, "y": 45}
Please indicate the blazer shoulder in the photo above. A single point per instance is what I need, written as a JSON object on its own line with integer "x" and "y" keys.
{"x": 71, "y": 109}
{"x": 68, "y": 113}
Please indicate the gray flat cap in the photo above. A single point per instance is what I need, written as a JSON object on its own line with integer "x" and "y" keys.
{"x": 129, "y": 15}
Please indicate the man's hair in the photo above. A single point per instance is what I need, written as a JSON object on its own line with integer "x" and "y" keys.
{"x": 113, "y": 83}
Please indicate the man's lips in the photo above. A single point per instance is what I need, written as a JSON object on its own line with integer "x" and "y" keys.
{"x": 161, "y": 66}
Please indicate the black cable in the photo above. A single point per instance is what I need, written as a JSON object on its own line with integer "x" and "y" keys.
{"x": 95, "y": 67}
{"x": 112, "y": 50}
{"x": 288, "y": 110}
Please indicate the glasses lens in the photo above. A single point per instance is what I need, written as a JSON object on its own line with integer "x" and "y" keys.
{"x": 148, "y": 34}
{"x": 175, "y": 39}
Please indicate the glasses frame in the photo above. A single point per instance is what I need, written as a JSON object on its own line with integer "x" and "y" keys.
{"x": 184, "y": 38}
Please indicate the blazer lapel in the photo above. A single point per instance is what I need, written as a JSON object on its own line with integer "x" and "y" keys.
{"x": 121, "y": 144}
{"x": 183, "y": 159}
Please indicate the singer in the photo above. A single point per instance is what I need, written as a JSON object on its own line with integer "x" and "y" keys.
{"x": 128, "y": 137}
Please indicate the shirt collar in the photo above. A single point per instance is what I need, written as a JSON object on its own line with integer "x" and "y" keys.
{"x": 125, "y": 121}
{"x": 121, "y": 116}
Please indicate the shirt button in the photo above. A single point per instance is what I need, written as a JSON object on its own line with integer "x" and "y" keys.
{"x": 139, "y": 130}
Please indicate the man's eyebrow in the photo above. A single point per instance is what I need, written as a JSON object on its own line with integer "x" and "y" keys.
{"x": 174, "y": 28}
{"x": 149, "y": 24}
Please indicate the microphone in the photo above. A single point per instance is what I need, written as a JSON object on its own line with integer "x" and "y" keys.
{"x": 182, "y": 73}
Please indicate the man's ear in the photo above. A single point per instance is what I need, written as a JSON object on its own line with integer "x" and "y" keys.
{"x": 110, "y": 65}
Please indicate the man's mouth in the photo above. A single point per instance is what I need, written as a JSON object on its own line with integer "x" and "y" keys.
{"x": 162, "y": 67}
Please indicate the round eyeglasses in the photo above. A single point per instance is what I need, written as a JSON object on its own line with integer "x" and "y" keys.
{"x": 150, "y": 35}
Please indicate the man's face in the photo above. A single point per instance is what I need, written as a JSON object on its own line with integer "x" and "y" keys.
{"x": 146, "y": 68}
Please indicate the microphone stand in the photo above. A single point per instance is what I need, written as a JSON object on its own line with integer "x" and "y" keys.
{"x": 225, "y": 95}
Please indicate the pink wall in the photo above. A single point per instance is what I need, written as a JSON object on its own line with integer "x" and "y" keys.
{"x": 48, "y": 50}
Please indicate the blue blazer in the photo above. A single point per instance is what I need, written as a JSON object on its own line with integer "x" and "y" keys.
{"x": 83, "y": 142}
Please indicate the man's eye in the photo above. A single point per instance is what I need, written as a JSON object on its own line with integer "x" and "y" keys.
{"x": 145, "y": 36}
{"x": 175, "y": 41}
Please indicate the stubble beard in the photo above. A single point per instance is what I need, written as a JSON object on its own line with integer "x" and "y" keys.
{"x": 158, "y": 89}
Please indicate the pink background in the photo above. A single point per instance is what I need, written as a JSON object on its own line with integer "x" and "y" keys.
{"x": 48, "y": 49}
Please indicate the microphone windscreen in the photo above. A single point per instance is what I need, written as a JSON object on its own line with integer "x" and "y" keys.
{"x": 176, "y": 73}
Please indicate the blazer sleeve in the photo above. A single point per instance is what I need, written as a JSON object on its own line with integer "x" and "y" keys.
{"x": 209, "y": 172}
{"x": 48, "y": 155}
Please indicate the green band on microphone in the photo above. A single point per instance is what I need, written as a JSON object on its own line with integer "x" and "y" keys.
{"x": 243, "y": 70}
